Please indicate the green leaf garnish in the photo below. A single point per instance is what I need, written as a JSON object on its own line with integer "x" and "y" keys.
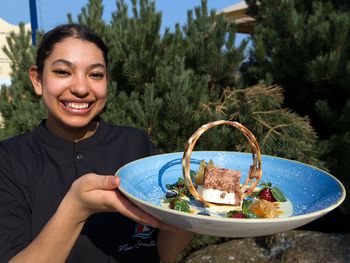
{"x": 246, "y": 206}
{"x": 193, "y": 174}
{"x": 265, "y": 185}
{"x": 277, "y": 193}
{"x": 181, "y": 205}
{"x": 251, "y": 215}
{"x": 169, "y": 200}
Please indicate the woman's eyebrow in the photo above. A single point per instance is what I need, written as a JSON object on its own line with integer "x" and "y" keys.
{"x": 63, "y": 61}
{"x": 70, "y": 64}
{"x": 97, "y": 65}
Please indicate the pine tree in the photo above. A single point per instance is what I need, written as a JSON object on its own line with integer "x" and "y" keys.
{"x": 19, "y": 106}
{"x": 171, "y": 84}
{"x": 304, "y": 46}
{"x": 210, "y": 47}
{"x": 92, "y": 16}
{"x": 151, "y": 87}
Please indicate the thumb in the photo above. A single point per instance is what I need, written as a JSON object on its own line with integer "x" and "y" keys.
{"x": 104, "y": 182}
{"x": 110, "y": 181}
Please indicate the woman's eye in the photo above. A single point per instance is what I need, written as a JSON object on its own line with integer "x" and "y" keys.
{"x": 97, "y": 75}
{"x": 61, "y": 72}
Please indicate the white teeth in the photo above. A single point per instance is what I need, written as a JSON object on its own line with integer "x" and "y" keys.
{"x": 78, "y": 106}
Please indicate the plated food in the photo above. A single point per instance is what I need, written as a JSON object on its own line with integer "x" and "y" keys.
{"x": 255, "y": 170}
{"x": 219, "y": 187}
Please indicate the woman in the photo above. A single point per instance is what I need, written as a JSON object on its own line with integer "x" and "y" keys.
{"x": 57, "y": 188}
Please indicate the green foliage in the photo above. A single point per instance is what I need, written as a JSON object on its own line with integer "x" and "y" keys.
{"x": 304, "y": 46}
{"x": 170, "y": 84}
{"x": 91, "y": 16}
{"x": 20, "y": 107}
{"x": 135, "y": 45}
{"x": 210, "y": 47}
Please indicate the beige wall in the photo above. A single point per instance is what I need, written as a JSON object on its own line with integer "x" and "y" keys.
{"x": 1, "y": 121}
{"x": 5, "y": 29}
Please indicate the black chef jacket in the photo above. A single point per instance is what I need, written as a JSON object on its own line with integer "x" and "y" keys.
{"x": 36, "y": 171}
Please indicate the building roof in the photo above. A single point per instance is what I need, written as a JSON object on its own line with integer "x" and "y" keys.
{"x": 237, "y": 13}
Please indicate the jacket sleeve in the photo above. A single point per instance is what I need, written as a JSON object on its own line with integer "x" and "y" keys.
{"x": 15, "y": 226}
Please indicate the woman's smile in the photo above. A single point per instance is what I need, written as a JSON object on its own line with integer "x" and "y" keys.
{"x": 77, "y": 107}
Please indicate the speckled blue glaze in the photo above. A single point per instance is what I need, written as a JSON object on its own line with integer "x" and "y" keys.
{"x": 308, "y": 188}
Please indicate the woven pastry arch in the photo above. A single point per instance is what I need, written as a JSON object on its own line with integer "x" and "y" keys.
{"x": 255, "y": 170}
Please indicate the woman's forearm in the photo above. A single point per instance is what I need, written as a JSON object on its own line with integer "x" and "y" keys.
{"x": 56, "y": 240}
{"x": 88, "y": 195}
{"x": 170, "y": 244}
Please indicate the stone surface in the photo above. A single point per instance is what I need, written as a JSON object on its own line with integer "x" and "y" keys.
{"x": 297, "y": 246}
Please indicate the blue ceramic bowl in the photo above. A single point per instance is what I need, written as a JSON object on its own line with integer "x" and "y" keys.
{"x": 312, "y": 192}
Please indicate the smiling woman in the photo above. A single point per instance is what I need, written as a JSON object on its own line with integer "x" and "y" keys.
{"x": 73, "y": 84}
{"x": 57, "y": 182}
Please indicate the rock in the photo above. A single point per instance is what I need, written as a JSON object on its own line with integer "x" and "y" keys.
{"x": 297, "y": 246}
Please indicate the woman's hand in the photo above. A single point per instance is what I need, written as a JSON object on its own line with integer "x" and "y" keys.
{"x": 94, "y": 193}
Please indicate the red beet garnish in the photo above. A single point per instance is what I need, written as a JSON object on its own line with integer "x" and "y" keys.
{"x": 238, "y": 215}
{"x": 267, "y": 195}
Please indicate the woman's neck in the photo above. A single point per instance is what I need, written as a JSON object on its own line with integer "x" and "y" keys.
{"x": 71, "y": 133}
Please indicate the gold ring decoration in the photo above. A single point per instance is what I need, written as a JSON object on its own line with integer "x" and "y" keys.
{"x": 255, "y": 170}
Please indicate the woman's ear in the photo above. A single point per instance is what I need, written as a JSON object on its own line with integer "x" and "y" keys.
{"x": 35, "y": 77}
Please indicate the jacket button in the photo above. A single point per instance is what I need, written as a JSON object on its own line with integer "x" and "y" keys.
{"x": 80, "y": 156}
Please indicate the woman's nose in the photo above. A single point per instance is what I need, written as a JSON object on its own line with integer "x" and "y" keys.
{"x": 80, "y": 86}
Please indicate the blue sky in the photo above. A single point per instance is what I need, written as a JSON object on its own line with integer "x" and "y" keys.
{"x": 54, "y": 12}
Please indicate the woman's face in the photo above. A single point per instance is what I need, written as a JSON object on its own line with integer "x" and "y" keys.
{"x": 73, "y": 85}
